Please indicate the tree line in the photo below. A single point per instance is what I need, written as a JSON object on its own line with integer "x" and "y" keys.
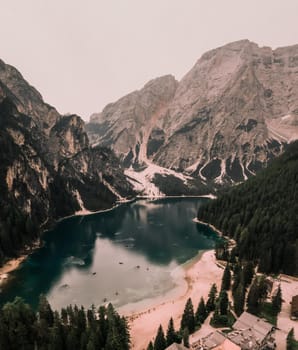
{"x": 16, "y": 231}
{"x": 261, "y": 215}
{"x": 72, "y": 328}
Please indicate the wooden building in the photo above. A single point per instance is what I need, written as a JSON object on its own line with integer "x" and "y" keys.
{"x": 294, "y": 307}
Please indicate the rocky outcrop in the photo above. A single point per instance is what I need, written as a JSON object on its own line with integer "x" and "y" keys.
{"x": 230, "y": 114}
{"x": 48, "y": 170}
{"x": 132, "y": 126}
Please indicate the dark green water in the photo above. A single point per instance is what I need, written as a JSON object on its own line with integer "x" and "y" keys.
{"x": 125, "y": 255}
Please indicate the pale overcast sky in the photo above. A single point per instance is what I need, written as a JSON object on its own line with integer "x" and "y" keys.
{"x": 82, "y": 55}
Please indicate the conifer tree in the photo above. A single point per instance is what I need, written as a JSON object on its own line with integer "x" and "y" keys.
{"x": 160, "y": 341}
{"x": 236, "y": 277}
{"x": 103, "y": 326}
{"x": 210, "y": 305}
{"x": 57, "y": 334}
{"x": 172, "y": 336}
{"x": 248, "y": 273}
{"x": 277, "y": 301}
{"x": 253, "y": 298}
{"x": 223, "y": 302}
{"x": 92, "y": 342}
{"x": 239, "y": 299}
{"x": 201, "y": 312}
{"x": 186, "y": 337}
{"x": 91, "y": 345}
{"x": 215, "y": 318}
{"x": 45, "y": 311}
{"x": 226, "y": 278}
{"x": 291, "y": 340}
{"x": 188, "y": 317}
{"x": 150, "y": 346}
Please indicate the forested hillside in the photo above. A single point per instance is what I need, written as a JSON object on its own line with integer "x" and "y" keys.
{"x": 262, "y": 215}
{"x": 47, "y": 168}
{"x": 73, "y": 328}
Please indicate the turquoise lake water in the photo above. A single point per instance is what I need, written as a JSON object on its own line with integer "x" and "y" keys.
{"x": 131, "y": 253}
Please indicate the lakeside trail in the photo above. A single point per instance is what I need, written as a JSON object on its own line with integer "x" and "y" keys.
{"x": 199, "y": 276}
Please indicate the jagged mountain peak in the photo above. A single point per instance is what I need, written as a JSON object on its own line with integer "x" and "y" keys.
{"x": 27, "y": 99}
{"x": 222, "y": 122}
{"x": 131, "y": 119}
{"x": 48, "y": 169}
{"x": 160, "y": 85}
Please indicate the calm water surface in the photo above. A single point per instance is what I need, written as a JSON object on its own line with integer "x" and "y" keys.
{"x": 125, "y": 255}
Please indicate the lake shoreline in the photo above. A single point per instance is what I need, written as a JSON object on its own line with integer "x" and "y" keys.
{"x": 10, "y": 266}
{"x": 231, "y": 241}
{"x": 13, "y": 264}
{"x": 199, "y": 275}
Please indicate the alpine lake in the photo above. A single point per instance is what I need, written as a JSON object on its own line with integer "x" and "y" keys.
{"x": 133, "y": 253}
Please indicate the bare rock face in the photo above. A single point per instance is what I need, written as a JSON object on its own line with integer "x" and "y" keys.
{"x": 126, "y": 125}
{"x": 48, "y": 170}
{"x": 230, "y": 114}
{"x": 26, "y": 98}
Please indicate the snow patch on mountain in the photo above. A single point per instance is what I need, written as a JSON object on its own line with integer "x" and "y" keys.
{"x": 142, "y": 181}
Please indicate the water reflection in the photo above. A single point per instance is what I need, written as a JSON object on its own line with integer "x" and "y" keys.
{"x": 128, "y": 253}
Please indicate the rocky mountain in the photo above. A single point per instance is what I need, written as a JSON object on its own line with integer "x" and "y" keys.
{"x": 229, "y": 115}
{"x": 48, "y": 170}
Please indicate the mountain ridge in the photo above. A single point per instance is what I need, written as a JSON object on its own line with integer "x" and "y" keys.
{"x": 224, "y": 122}
{"x": 48, "y": 169}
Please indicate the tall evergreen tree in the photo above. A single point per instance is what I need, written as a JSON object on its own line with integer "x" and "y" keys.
{"x": 150, "y": 346}
{"x": 291, "y": 340}
{"x": 277, "y": 301}
{"x": 45, "y": 311}
{"x": 247, "y": 273}
{"x": 186, "y": 337}
{"x": 236, "y": 277}
{"x": 239, "y": 299}
{"x": 226, "y": 278}
{"x": 57, "y": 334}
{"x": 210, "y": 305}
{"x": 253, "y": 298}
{"x": 223, "y": 302}
{"x": 188, "y": 317}
{"x": 160, "y": 340}
{"x": 172, "y": 335}
{"x": 201, "y": 313}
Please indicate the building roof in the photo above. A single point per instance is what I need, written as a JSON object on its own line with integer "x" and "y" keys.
{"x": 294, "y": 306}
{"x": 258, "y": 326}
{"x": 215, "y": 341}
{"x": 249, "y": 331}
{"x": 227, "y": 345}
{"x": 176, "y": 346}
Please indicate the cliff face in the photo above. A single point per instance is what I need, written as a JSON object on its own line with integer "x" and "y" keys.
{"x": 126, "y": 125}
{"x": 230, "y": 114}
{"x": 48, "y": 169}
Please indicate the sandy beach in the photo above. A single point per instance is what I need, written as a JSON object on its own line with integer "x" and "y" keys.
{"x": 10, "y": 266}
{"x": 200, "y": 274}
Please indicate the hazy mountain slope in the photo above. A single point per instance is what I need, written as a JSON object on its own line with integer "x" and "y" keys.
{"x": 230, "y": 114}
{"x": 47, "y": 168}
{"x": 261, "y": 215}
{"x": 125, "y": 126}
